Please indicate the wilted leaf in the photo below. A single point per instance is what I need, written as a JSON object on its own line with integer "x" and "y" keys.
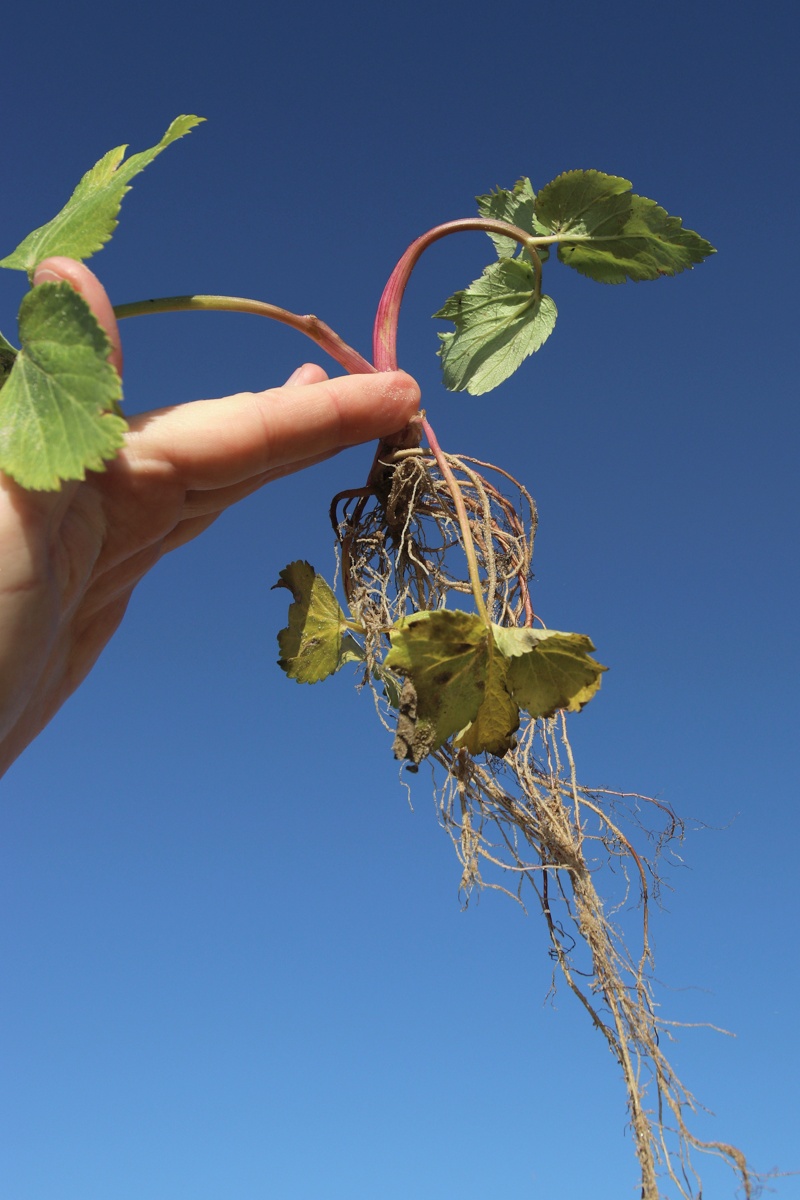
{"x": 464, "y": 678}
{"x": 497, "y": 720}
{"x": 444, "y": 654}
{"x": 391, "y": 684}
{"x": 59, "y": 405}
{"x": 316, "y": 641}
{"x": 549, "y": 670}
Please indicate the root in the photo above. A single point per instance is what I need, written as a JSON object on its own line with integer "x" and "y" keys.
{"x": 552, "y": 835}
{"x": 524, "y": 821}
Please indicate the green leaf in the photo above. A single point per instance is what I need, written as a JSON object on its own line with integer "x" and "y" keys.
{"x": 610, "y": 234}
{"x": 499, "y": 323}
{"x": 443, "y": 656}
{"x": 516, "y": 207}
{"x": 59, "y": 405}
{"x": 7, "y": 355}
{"x": 315, "y": 643}
{"x": 549, "y": 670}
{"x": 89, "y": 217}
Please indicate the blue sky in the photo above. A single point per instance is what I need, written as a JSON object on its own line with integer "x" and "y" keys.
{"x": 234, "y": 958}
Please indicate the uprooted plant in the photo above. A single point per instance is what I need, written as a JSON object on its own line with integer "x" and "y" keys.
{"x": 435, "y": 554}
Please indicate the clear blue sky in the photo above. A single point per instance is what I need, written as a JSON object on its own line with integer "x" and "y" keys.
{"x": 234, "y": 963}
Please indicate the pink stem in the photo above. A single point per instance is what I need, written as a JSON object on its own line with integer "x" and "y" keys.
{"x": 463, "y": 520}
{"x": 384, "y": 337}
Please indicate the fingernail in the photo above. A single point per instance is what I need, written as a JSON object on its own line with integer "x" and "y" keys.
{"x": 46, "y": 275}
{"x": 295, "y": 375}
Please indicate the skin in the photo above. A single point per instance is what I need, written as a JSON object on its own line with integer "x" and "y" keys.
{"x": 70, "y": 560}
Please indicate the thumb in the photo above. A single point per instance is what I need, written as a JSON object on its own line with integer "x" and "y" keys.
{"x": 67, "y": 270}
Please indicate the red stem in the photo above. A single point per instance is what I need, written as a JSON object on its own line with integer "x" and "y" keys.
{"x": 384, "y": 337}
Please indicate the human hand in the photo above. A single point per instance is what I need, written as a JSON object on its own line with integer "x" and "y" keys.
{"x": 69, "y": 560}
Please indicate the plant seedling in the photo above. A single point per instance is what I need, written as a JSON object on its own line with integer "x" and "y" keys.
{"x": 435, "y": 553}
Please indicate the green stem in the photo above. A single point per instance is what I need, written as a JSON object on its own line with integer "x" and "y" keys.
{"x": 311, "y": 326}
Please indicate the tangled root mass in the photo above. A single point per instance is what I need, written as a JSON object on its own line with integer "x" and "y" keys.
{"x": 523, "y": 823}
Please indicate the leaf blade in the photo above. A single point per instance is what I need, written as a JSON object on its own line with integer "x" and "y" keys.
{"x": 464, "y": 678}
{"x": 497, "y": 720}
{"x": 59, "y": 413}
{"x": 549, "y": 670}
{"x": 609, "y": 234}
{"x": 316, "y": 642}
{"x": 8, "y": 353}
{"x": 499, "y": 323}
{"x": 517, "y": 207}
{"x": 88, "y": 219}
{"x": 443, "y": 657}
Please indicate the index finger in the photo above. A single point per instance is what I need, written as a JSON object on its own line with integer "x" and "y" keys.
{"x": 217, "y": 443}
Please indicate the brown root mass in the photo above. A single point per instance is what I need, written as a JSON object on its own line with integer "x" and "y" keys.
{"x": 524, "y": 822}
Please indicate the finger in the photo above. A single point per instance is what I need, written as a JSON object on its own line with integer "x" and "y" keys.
{"x": 218, "y": 443}
{"x": 308, "y": 373}
{"x": 119, "y": 574}
{"x": 212, "y": 501}
{"x": 65, "y": 270}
